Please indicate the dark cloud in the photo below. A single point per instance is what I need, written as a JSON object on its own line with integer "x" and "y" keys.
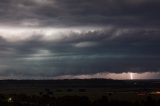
{"x": 82, "y": 12}
{"x": 114, "y": 50}
{"x": 119, "y": 36}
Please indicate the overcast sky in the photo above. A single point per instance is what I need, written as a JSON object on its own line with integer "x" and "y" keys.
{"x": 52, "y": 38}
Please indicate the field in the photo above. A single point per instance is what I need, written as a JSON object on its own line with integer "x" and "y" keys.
{"x": 94, "y": 89}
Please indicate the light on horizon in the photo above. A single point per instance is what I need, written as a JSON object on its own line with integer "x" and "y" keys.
{"x": 131, "y": 76}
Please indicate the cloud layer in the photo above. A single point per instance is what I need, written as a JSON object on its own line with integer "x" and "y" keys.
{"x": 80, "y": 12}
{"x": 50, "y": 38}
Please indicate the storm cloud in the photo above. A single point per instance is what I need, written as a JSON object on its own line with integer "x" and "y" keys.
{"x": 80, "y": 12}
{"x": 50, "y": 38}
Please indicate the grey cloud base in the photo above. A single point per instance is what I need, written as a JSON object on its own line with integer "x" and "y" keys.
{"x": 98, "y": 51}
{"x": 120, "y": 36}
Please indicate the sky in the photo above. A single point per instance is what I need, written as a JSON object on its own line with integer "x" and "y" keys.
{"x": 117, "y": 39}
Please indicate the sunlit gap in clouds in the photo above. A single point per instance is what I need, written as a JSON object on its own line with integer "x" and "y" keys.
{"x": 104, "y": 75}
{"x": 116, "y": 76}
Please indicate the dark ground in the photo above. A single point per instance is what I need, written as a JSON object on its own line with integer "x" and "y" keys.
{"x": 93, "y": 92}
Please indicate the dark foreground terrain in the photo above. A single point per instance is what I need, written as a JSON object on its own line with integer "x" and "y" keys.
{"x": 93, "y": 92}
